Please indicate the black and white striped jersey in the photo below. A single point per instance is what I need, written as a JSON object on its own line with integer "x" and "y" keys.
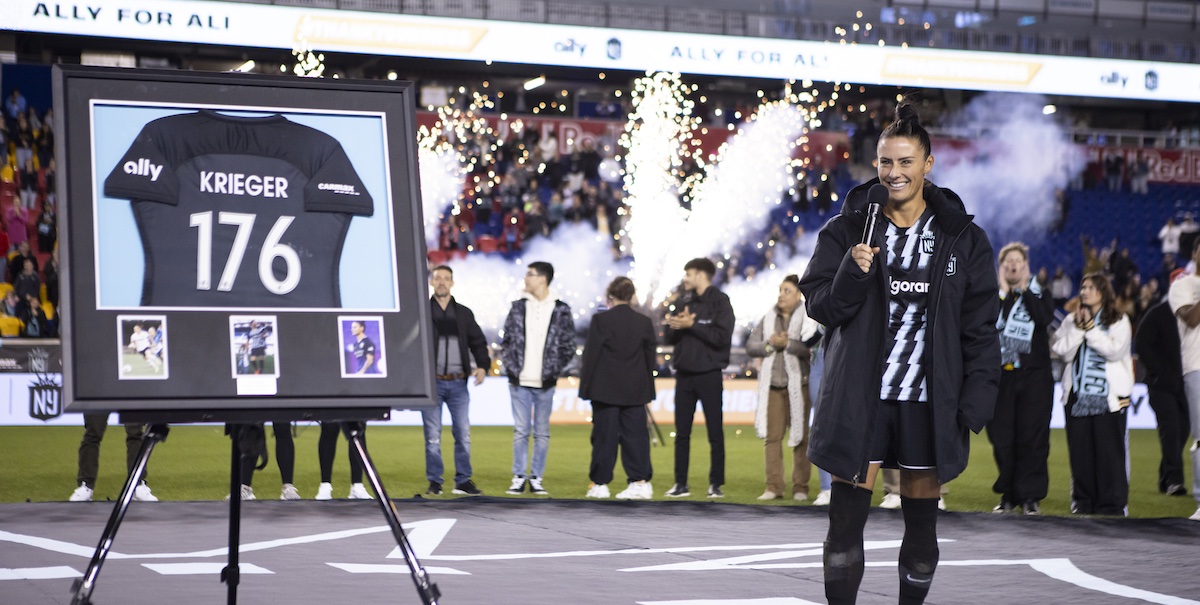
{"x": 909, "y": 255}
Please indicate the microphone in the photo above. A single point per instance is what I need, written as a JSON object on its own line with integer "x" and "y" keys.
{"x": 877, "y": 196}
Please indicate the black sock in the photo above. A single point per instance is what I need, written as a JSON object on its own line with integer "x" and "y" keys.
{"x": 919, "y": 549}
{"x": 848, "y": 508}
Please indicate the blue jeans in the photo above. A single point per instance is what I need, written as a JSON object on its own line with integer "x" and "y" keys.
{"x": 453, "y": 393}
{"x": 531, "y": 412}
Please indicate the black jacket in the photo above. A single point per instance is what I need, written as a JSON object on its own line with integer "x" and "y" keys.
{"x": 704, "y": 347}
{"x": 470, "y": 336}
{"x": 962, "y": 347}
{"x": 1158, "y": 349}
{"x": 1041, "y": 310}
{"x": 618, "y": 359}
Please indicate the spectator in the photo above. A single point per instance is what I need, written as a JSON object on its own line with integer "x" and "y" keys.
{"x": 1184, "y": 297}
{"x": 33, "y": 317}
{"x": 538, "y": 343}
{"x": 16, "y": 219}
{"x": 618, "y": 378}
{"x": 50, "y": 273}
{"x": 1139, "y": 175}
{"x": 27, "y": 282}
{"x": 1157, "y": 344}
{"x": 1114, "y": 168}
{"x": 1094, "y": 341}
{"x": 1167, "y": 268}
{"x": 1122, "y": 269}
{"x": 28, "y": 178}
{"x": 23, "y": 135}
{"x": 1188, "y": 232}
{"x": 1061, "y": 287}
{"x": 47, "y": 231}
{"x": 782, "y": 339}
{"x": 1020, "y": 426}
{"x": 1169, "y": 236}
{"x": 11, "y": 307}
{"x": 457, "y": 338}
{"x": 50, "y": 176}
{"x": 18, "y": 262}
{"x": 5, "y": 248}
{"x": 15, "y": 105}
{"x": 701, "y": 329}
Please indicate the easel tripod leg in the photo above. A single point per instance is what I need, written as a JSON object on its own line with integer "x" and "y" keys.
{"x": 84, "y": 586}
{"x": 427, "y": 590}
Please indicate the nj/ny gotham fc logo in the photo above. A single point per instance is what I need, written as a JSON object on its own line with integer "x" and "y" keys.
{"x": 45, "y": 394}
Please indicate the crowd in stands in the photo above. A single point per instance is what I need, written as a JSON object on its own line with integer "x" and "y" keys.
{"x": 28, "y": 226}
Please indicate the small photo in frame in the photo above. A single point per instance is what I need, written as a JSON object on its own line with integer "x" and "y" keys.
{"x": 254, "y": 345}
{"x": 362, "y": 349}
{"x": 142, "y": 347}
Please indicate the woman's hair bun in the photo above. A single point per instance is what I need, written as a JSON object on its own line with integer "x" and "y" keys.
{"x": 905, "y": 111}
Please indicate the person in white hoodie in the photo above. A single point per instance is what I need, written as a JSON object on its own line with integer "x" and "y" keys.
{"x": 1094, "y": 342}
{"x": 782, "y": 339}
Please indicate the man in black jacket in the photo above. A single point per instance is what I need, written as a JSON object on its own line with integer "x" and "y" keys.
{"x": 1158, "y": 349}
{"x": 455, "y": 333}
{"x": 1020, "y": 428}
{"x": 912, "y": 359}
{"x": 701, "y": 328}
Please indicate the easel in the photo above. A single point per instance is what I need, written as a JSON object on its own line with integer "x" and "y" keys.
{"x": 354, "y": 422}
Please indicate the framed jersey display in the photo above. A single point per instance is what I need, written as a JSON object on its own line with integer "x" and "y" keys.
{"x": 273, "y": 221}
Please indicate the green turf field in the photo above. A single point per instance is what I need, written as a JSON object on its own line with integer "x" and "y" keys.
{"x": 39, "y": 464}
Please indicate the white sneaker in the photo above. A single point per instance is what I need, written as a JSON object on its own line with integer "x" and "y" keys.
{"x": 83, "y": 493}
{"x": 1195, "y": 516}
{"x": 768, "y": 495}
{"x": 141, "y": 493}
{"x": 536, "y": 487}
{"x": 800, "y": 497}
{"x": 823, "y": 498}
{"x": 890, "y": 502}
{"x": 324, "y": 492}
{"x": 247, "y": 493}
{"x": 638, "y": 490}
{"x": 598, "y": 491}
{"x": 359, "y": 492}
{"x": 941, "y": 504}
{"x": 289, "y": 492}
{"x": 517, "y": 486}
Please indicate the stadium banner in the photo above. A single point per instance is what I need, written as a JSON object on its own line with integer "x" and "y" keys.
{"x": 331, "y": 30}
{"x": 240, "y": 242}
{"x": 31, "y": 401}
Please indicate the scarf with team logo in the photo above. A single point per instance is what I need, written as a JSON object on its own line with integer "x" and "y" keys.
{"x": 1016, "y": 329}
{"x": 1089, "y": 379}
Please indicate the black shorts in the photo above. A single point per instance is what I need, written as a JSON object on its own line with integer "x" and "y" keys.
{"x": 258, "y": 352}
{"x": 903, "y": 436}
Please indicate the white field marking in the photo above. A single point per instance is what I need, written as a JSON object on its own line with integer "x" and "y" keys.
{"x": 202, "y": 569}
{"x": 748, "y": 561}
{"x": 428, "y": 543}
{"x": 625, "y": 551}
{"x": 403, "y": 569}
{"x": 1066, "y": 571}
{"x": 767, "y": 601}
{"x": 424, "y": 537}
{"x": 39, "y": 573}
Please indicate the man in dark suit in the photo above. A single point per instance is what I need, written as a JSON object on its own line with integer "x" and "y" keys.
{"x": 618, "y": 378}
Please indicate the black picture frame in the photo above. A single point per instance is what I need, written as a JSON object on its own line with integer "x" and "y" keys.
{"x": 90, "y": 104}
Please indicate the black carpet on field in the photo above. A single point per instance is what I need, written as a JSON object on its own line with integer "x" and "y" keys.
{"x": 493, "y": 550}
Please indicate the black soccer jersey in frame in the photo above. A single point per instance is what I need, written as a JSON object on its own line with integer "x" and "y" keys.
{"x": 236, "y": 206}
